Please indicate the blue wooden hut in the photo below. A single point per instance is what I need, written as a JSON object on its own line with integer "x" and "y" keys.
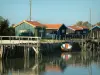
{"x": 30, "y": 28}
{"x": 59, "y": 30}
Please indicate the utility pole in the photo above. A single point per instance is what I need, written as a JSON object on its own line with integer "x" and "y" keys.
{"x": 90, "y": 17}
{"x": 90, "y": 22}
{"x": 30, "y": 10}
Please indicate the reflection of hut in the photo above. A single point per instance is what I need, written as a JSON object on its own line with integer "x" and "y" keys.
{"x": 57, "y": 66}
{"x": 53, "y": 68}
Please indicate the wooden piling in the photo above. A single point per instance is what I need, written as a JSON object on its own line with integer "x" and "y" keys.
{"x": 25, "y": 57}
{"x": 1, "y": 51}
{"x": 28, "y": 51}
{"x": 1, "y": 40}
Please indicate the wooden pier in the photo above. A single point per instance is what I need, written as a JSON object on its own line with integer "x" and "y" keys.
{"x": 12, "y": 41}
{"x": 48, "y": 45}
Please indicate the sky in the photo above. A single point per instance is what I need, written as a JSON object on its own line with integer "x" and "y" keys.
{"x": 67, "y": 12}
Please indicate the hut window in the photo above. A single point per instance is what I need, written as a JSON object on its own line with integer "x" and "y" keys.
{"x": 84, "y": 31}
{"x": 63, "y": 31}
{"x": 41, "y": 31}
{"x": 78, "y": 32}
{"x": 21, "y": 31}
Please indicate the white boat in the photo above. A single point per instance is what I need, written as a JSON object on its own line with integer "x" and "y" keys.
{"x": 66, "y": 47}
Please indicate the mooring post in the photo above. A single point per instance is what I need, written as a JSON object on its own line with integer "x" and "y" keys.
{"x": 10, "y": 39}
{"x": 19, "y": 40}
{"x": 31, "y": 40}
{"x": 56, "y": 37}
{"x": 28, "y": 57}
{"x": 1, "y": 51}
{"x": 18, "y": 72}
{"x": 28, "y": 41}
{"x": 25, "y": 54}
{"x": 37, "y": 62}
{"x": 1, "y": 39}
{"x": 99, "y": 35}
{"x": 85, "y": 46}
{"x": 37, "y": 45}
{"x": 5, "y": 52}
{"x": 82, "y": 41}
{"x": 13, "y": 42}
{"x": 93, "y": 36}
{"x": 65, "y": 38}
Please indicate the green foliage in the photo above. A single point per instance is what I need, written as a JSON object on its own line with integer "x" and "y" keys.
{"x": 98, "y": 23}
{"x": 11, "y": 31}
{"x": 81, "y": 23}
{"x": 87, "y": 24}
{"x": 5, "y": 30}
{"x": 1, "y": 19}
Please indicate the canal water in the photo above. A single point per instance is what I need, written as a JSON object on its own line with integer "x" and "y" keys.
{"x": 82, "y": 63}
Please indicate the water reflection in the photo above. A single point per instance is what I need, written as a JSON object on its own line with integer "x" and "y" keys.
{"x": 61, "y": 64}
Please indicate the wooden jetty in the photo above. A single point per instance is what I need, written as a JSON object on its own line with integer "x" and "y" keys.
{"x": 11, "y": 41}
{"x": 36, "y": 43}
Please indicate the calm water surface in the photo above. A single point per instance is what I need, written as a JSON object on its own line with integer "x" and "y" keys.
{"x": 55, "y": 64}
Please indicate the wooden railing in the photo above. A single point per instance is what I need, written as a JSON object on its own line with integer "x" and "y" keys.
{"x": 18, "y": 39}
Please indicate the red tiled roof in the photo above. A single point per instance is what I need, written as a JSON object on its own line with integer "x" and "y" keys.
{"x": 32, "y": 23}
{"x": 84, "y": 27}
{"x": 77, "y": 27}
{"x": 74, "y": 28}
{"x": 35, "y": 23}
{"x": 53, "y": 26}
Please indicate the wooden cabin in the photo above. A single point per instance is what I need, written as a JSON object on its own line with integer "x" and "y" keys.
{"x": 30, "y": 28}
{"x": 58, "y": 30}
{"x": 77, "y": 30}
{"x": 95, "y": 31}
{"x": 96, "y": 28}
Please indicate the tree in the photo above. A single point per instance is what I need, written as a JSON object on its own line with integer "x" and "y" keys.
{"x": 87, "y": 24}
{"x": 81, "y": 23}
{"x": 1, "y": 19}
{"x": 98, "y": 23}
{"x": 11, "y": 31}
{"x": 5, "y": 30}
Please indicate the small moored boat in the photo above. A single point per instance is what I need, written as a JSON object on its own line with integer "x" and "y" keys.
{"x": 66, "y": 47}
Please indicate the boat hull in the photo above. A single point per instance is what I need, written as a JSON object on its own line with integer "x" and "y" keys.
{"x": 66, "y": 47}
